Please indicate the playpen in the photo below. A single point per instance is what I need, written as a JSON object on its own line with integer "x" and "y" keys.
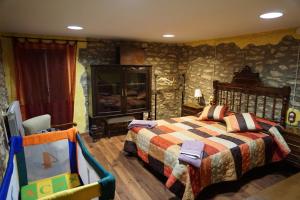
{"x": 54, "y": 165}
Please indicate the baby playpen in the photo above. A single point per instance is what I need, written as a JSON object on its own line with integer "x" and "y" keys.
{"x": 54, "y": 165}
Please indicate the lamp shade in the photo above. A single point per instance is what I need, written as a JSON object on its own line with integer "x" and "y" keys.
{"x": 198, "y": 93}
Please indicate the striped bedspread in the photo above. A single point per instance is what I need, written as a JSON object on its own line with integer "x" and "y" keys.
{"x": 227, "y": 156}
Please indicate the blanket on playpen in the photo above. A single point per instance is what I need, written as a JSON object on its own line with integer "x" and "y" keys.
{"x": 226, "y": 156}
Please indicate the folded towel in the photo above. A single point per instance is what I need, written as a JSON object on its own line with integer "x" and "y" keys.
{"x": 142, "y": 123}
{"x": 191, "y": 152}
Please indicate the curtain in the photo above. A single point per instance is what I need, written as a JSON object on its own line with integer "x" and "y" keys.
{"x": 45, "y": 79}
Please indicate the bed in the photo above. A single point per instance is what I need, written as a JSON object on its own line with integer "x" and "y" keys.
{"x": 226, "y": 156}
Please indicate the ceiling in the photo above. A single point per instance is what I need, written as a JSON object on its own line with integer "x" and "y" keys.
{"x": 147, "y": 20}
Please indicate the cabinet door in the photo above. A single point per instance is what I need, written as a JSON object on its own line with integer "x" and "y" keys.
{"x": 108, "y": 89}
{"x": 137, "y": 89}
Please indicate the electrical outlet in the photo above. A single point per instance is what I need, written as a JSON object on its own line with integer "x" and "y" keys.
{"x": 293, "y": 117}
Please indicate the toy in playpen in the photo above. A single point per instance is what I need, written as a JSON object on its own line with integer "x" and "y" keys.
{"x": 54, "y": 165}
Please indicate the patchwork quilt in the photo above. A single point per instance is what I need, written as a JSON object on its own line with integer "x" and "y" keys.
{"x": 226, "y": 156}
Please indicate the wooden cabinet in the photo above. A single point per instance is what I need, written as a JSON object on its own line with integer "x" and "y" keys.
{"x": 190, "y": 109}
{"x": 292, "y": 137}
{"x": 118, "y": 90}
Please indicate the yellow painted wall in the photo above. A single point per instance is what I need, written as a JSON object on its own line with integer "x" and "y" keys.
{"x": 8, "y": 63}
{"x": 272, "y": 37}
{"x": 79, "y": 104}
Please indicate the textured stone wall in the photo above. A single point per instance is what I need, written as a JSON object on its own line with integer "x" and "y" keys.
{"x": 275, "y": 63}
{"x": 208, "y": 63}
{"x": 164, "y": 61}
{"x": 163, "y": 58}
{"x": 3, "y": 103}
{"x": 3, "y": 92}
{"x": 201, "y": 65}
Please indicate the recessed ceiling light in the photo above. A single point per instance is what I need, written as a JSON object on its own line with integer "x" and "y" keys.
{"x": 74, "y": 27}
{"x": 271, "y": 15}
{"x": 168, "y": 35}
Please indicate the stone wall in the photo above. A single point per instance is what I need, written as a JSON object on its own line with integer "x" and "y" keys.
{"x": 207, "y": 63}
{"x": 3, "y": 91}
{"x": 3, "y": 103}
{"x": 276, "y": 64}
{"x": 201, "y": 64}
{"x": 164, "y": 61}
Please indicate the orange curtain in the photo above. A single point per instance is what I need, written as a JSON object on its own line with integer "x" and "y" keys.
{"x": 45, "y": 79}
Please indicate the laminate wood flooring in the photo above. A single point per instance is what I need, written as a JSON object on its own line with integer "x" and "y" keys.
{"x": 135, "y": 181}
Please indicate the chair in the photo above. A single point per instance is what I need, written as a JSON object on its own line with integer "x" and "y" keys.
{"x": 42, "y": 122}
{"x": 30, "y": 126}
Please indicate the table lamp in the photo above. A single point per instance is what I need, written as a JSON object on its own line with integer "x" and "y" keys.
{"x": 199, "y": 96}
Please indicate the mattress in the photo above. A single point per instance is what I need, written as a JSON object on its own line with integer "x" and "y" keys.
{"x": 226, "y": 156}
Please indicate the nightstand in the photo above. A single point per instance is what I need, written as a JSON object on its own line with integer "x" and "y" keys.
{"x": 292, "y": 137}
{"x": 191, "y": 109}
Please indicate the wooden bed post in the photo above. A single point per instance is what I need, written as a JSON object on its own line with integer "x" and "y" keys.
{"x": 216, "y": 94}
{"x": 285, "y": 104}
{"x": 183, "y": 90}
{"x": 155, "y": 96}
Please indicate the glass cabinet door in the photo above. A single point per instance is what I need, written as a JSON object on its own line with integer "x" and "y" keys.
{"x": 136, "y": 90}
{"x": 108, "y": 90}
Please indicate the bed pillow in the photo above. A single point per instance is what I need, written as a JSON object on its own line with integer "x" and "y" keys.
{"x": 242, "y": 122}
{"x": 214, "y": 113}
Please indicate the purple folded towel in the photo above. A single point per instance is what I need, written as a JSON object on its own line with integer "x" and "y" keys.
{"x": 191, "y": 152}
{"x": 142, "y": 123}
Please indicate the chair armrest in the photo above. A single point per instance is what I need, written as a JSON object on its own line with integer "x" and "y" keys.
{"x": 66, "y": 125}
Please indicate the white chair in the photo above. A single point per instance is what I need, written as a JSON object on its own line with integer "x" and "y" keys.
{"x": 30, "y": 126}
{"x": 36, "y": 124}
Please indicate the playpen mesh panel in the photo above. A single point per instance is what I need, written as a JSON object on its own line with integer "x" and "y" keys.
{"x": 13, "y": 190}
{"x": 86, "y": 172}
{"x": 47, "y": 160}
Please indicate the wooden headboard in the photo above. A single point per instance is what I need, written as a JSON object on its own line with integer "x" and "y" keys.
{"x": 246, "y": 93}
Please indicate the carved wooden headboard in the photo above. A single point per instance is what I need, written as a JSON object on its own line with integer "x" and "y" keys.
{"x": 246, "y": 93}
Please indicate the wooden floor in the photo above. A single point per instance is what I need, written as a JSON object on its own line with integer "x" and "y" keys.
{"x": 136, "y": 181}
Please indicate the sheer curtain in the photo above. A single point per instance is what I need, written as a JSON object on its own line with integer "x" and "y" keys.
{"x": 45, "y": 79}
